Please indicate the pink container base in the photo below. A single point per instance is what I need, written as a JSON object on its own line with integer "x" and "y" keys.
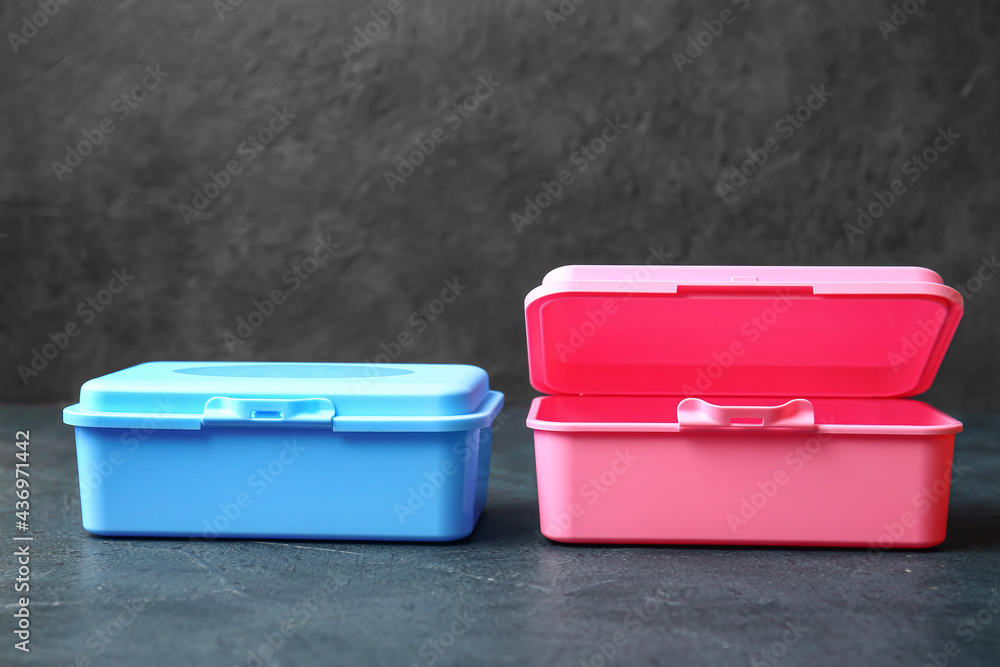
{"x": 743, "y": 486}
{"x": 741, "y": 405}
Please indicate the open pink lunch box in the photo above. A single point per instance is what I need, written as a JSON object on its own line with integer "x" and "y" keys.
{"x": 741, "y": 405}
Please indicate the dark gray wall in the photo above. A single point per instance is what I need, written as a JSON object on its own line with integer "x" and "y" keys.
{"x": 323, "y": 174}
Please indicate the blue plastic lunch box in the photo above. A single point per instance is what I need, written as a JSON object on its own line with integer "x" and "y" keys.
{"x": 281, "y": 450}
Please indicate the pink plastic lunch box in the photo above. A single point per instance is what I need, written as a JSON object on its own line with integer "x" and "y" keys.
{"x": 741, "y": 405}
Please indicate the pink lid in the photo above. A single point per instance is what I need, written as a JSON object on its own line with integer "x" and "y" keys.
{"x": 739, "y": 330}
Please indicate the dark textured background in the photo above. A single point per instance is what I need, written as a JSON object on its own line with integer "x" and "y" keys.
{"x": 323, "y": 175}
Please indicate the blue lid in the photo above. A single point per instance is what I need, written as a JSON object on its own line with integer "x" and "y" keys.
{"x": 346, "y": 397}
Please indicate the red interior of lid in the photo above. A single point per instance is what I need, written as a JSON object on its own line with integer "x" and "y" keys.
{"x": 765, "y": 341}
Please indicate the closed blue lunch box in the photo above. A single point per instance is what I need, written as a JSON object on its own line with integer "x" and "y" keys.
{"x": 285, "y": 450}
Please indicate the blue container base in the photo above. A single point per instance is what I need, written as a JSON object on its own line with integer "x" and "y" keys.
{"x": 278, "y": 483}
{"x": 283, "y": 537}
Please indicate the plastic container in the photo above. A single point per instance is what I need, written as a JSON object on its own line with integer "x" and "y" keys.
{"x": 741, "y": 405}
{"x": 277, "y": 450}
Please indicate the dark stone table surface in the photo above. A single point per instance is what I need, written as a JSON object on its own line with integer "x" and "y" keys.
{"x": 504, "y": 596}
